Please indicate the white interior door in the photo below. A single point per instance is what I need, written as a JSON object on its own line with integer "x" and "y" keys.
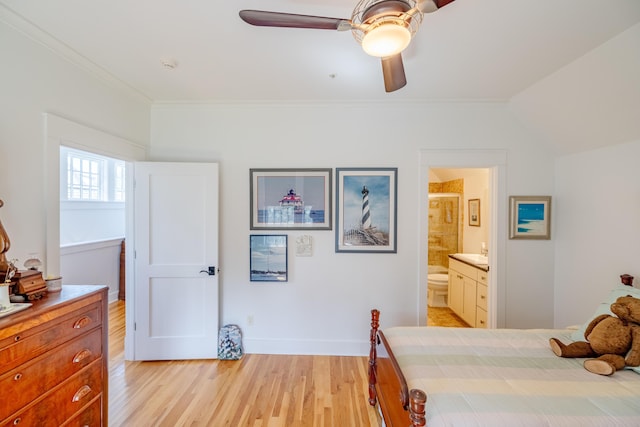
{"x": 176, "y": 246}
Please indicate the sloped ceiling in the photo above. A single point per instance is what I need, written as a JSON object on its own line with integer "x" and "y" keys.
{"x": 559, "y": 64}
{"x": 590, "y": 103}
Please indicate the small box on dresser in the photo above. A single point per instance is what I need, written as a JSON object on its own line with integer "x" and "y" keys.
{"x": 53, "y": 360}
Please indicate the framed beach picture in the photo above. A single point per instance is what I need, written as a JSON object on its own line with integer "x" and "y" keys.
{"x": 530, "y": 217}
{"x": 366, "y": 209}
{"x": 293, "y": 199}
{"x": 268, "y": 257}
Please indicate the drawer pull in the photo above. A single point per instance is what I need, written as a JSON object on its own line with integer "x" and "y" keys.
{"x": 82, "y": 322}
{"x": 17, "y": 421}
{"x": 17, "y": 338}
{"x": 17, "y": 377}
{"x": 82, "y": 392}
{"x": 81, "y": 355}
{"x": 482, "y": 297}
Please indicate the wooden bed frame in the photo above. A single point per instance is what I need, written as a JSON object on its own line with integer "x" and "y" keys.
{"x": 388, "y": 386}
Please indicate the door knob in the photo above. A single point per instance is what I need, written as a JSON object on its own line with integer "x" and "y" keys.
{"x": 211, "y": 271}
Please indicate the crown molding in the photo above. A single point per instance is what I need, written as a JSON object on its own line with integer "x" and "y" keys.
{"x": 59, "y": 48}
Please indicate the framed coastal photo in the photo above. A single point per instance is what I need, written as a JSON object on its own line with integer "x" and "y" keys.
{"x": 474, "y": 212}
{"x": 268, "y": 257}
{"x": 530, "y": 217}
{"x": 292, "y": 199}
{"x": 366, "y": 209}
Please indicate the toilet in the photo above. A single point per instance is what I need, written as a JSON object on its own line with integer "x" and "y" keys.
{"x": 437, "y": 286}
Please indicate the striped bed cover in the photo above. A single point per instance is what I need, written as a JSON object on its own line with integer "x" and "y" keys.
{"x": 507, "y": 377}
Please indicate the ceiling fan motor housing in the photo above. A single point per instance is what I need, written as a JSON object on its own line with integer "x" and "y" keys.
{"x": 369, "y": 15}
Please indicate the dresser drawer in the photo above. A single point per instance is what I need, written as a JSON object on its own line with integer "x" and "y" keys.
{"x": 90, "y": 417}
{"x": 62, "y": 402}
{"x": 36, "y": 377}
{"x": 22, "y": 347}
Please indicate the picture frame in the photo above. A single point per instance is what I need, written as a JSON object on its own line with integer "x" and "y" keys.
{"x": 530, "y": 217}
{"x": 268, "y": 258}
{"x": 291, "y": 199}
{"x": 474, "y": 212}
{"x": 366, "y": 210}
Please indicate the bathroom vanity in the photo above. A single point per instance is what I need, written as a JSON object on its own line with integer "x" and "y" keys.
{"x": 468, "y": 292}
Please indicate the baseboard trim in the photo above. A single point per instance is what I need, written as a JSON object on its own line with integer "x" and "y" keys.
{"x": 306, "y": 347}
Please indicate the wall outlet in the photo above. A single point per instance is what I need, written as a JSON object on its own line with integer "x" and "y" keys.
{"x": 250, "y": 320}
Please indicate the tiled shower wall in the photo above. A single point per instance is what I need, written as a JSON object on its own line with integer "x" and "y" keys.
{"x": 445, "y": 217}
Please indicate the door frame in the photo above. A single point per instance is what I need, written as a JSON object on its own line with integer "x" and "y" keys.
{"x": 496, "y": 162}
{"x": 60, "y": 131}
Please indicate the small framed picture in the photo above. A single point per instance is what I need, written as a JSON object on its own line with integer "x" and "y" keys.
{"x": 474, "y": 212}
{"x": 366, "y": 209}
{"x": 268, "y": 257}
{"x": 530, "y": 217}
{"x": 293, "y": 199}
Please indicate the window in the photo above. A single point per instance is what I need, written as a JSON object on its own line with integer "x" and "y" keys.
{"x": 91, "y": 177}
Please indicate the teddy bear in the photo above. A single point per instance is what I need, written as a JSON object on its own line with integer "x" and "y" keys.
{"x": 611, "y": 342}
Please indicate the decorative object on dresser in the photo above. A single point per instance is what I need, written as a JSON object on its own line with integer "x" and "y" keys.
{"x": 5, "y": 244}
{"x": 29, "y": 284}
{"x": 53, "y": 360}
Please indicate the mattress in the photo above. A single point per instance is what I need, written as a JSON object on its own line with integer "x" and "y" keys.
{"x": 506, "y": 377}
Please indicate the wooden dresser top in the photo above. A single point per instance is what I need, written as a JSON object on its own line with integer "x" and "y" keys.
{"x": 61, "y": 301}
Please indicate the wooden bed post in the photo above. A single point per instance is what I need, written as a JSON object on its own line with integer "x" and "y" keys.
{"x": 417, "y": 402}
{"x": 373, "y": 354}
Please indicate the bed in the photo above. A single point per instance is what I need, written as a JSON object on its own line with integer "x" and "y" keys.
{"x": 438, "y": 376}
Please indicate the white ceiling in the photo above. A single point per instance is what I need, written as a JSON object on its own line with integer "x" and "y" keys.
{"x": 468, "y": 50}
{"x": 569, "y": 70}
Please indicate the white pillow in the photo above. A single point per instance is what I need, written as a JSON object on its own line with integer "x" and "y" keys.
{"x": 605, "y": 308}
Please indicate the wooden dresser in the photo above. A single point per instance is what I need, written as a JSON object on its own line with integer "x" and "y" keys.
{"x": 53, "y": 360}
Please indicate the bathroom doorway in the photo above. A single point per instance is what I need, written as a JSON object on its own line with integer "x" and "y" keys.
{"x": 452, "y": 228}
{"x": 479, "y": 178}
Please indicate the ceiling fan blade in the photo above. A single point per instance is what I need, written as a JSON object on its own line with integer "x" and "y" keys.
{"x": 428, "y": 6}
{"x": 393, "y": 72}
{"x": 263, "y": 18}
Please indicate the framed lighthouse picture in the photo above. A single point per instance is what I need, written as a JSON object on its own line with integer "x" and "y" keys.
{"x": 366, "y": 209}
{"x": 291, "y": 199}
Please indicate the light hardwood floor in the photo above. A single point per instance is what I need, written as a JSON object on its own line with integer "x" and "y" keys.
{"x": 257, "y": 391}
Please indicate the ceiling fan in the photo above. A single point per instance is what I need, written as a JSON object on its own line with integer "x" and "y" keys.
{"x": 384, "y": 28}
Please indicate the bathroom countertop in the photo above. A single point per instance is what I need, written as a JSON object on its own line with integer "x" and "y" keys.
{"x": 483, "y": 267}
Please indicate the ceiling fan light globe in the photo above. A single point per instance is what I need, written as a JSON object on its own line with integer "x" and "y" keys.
{"x": 386, "y": 40}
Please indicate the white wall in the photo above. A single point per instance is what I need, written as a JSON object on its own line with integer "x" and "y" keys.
{"x": 476, "y": 186}
{"x": 94, "y": 263}
{"x": 324, "y": 308}
{"x": 33, "y": 81}
{"x": 597, "y": 228}
{"x": 91, "y": 221}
